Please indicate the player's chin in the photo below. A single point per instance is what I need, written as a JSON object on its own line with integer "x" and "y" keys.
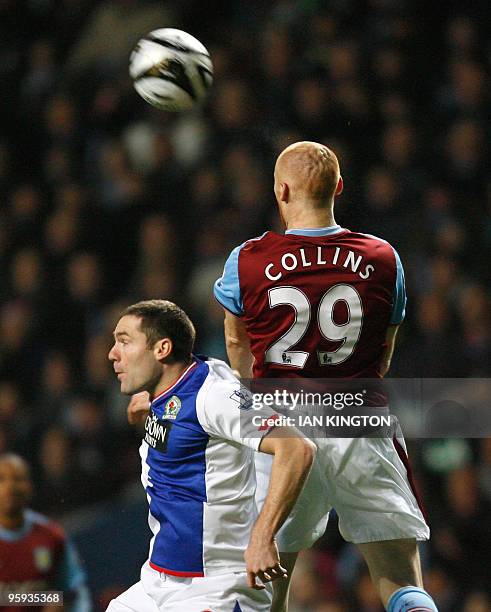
{"x": 126, "y": 389}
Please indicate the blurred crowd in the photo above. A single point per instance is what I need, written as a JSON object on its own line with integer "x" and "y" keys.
{"x": 106, "y": 201}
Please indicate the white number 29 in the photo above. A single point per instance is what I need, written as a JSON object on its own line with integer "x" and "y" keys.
{"x": 347, "y": 333}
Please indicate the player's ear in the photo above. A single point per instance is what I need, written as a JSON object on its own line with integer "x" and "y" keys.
{"x": 162, "y": 349}
{"x": 339, "y": 186}
{"x": 284, "y": 192}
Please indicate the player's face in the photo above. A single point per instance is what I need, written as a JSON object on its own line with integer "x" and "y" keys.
{"x": 134, "y": 362}
{"x": 15, "y": 487}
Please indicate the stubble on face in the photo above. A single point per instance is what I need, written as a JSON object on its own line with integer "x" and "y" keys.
{"x": 133, "y": 360}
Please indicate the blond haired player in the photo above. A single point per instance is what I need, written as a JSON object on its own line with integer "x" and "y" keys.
{"x": 321, "y": 301}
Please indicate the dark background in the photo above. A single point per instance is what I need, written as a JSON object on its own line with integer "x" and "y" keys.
{"x": 105, "y": 201}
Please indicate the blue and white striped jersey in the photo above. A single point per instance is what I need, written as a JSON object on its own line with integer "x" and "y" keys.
{"x": 198, "y": 473}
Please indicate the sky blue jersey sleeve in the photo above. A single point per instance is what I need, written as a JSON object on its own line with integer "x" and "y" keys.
{"x": 71, "y": 579}
{"x": 399, "y": 299}
{"x": 227, "y": 287}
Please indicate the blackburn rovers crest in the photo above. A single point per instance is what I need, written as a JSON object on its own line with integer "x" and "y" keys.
{"x": 172, "y": 407}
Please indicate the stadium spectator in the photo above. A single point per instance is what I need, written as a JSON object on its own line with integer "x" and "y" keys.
{"x": 40, "y": 557}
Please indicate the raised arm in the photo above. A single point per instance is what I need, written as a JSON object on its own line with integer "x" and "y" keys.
{"x": 293, "y": 458}
{"x": 238, "y": 345}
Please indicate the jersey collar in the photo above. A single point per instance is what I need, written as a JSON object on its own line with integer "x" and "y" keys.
{"x": 12, "y": 535}
{"x": 316, "y": 231}
{"x": 184, "y": 375}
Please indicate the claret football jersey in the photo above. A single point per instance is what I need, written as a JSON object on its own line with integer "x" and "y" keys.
{"x": 39, "y": 557}
{"x": 316, "y": 303}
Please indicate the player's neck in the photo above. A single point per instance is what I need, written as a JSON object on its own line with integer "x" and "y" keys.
{"x": 171, "y": 374}
{"x": 12, "y": 522}
{"x": 310, "y": 219}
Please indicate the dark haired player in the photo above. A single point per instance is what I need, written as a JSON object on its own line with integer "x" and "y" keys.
{"x": 321, "y": 301}
{"x": 35, "y": 554}
{"x": 198, "y": 472}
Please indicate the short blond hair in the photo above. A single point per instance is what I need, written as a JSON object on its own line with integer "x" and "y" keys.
{"x": 311, "y": 168}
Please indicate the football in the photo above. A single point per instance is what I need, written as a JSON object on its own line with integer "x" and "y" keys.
{"x": 171, "y": 69}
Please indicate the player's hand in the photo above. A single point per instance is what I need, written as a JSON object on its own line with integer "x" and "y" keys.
{"x": 263, "y": 562}
{"x": 138, "y": 408}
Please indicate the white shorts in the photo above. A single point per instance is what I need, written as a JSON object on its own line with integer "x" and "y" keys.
{"x": 365, "y": 480}
{"x": 156, "y": 592}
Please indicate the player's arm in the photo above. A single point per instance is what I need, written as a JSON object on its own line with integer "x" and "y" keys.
{"x": 390, "y": 342}
{"x": 71, "y": 579}
{"x": 397, "y": 316}
{"x": 222, "y": 415}
{"x": 293, "y": 458}
{"x": 228, "y": 293}
{"x": 238, "y": 345}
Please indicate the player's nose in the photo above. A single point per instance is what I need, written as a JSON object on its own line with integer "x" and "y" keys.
{"x": 112, "y": 355}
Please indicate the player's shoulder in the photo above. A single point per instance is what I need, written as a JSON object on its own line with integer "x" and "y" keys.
{"x": 369, "y": 238}
{"x": 46, "y": 525}
{"x": 222, "y": 383}
{"x": 373, "y": 243}
{"x": 222, "y": 397}
{"x": 220, "y": 374}
{"x": 257, "y": 242}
